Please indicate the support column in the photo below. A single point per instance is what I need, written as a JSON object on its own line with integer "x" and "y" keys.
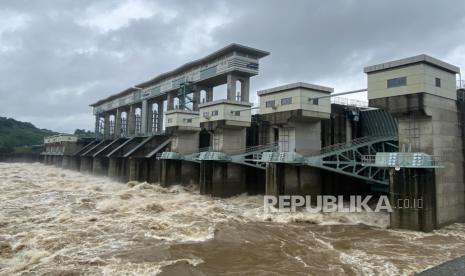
{"x": 196, "y": 100}
{"x": 106, "y": 126}
{"x": 231, "y": 90}
{"x": 209, "y": 92}
{"x": 131, "y": 120}
{"x": 160, "y": 116}
{"x": 169, "y": 172}
{"x": 245, "y": 87}
{"x": 143, "y": 126}
{"x": 117, "y": 133}
{"x": 285, "y": 179}
{"x": 170, "y": 102}
{"x": 417, "y": 187}
{"x": 150, "y": 128}
{"x": 97, "y": 126}
{"x": 428, "y": 123}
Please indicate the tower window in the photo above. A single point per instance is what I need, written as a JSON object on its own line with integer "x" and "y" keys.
{"x": 402, "y": 81}
{"x": 269, "y": 104}
{"x": 286, "y": 101}
{"x": 438, "y": 82}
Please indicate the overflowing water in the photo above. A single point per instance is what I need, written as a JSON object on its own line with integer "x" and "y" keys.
{"x": 61, "y": 222}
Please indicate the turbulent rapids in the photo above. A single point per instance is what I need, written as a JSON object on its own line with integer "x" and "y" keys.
{"x": 60, "y": 222}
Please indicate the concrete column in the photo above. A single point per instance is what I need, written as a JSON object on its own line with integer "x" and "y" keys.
{"x": 160, "y": 116}
{"x": 131, "y": 120}
{"x": 117, "y": 133}
{"x": 231, "y": 87}
{"x": 100, "y": 166}
{"x": 209, "y": 92}
{"x": 348, "y": 130}
{"x": 144, "y": 113}
{"x": 185, "y": 142}
{"x": 245, "y": 87}
{"x": 150, "y": 128}
{"x": 86, "y": 164}
{"x": 196, "y": 100}
{"x": 113, "y": 168}
{"x": 284, "y": 179}
{"x": 417, "y": 186}
{"x": 153, "y": 170}
{"x": 169, "y": 172}
{"x": 133, "y": 173}
{"x": 97, "y": 125}
{"x": 126, "y": 124}
{"x": 429, "y": 124}
{"x": 170, "y": 102}
{"x": 106, "y": 127}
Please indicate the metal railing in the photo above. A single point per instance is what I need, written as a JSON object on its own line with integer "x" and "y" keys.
{"x": 400, "y": 159}
{"x": 348, "y": 102}
{"x": 270, "y": 147}
{"x": 354, "y": 142}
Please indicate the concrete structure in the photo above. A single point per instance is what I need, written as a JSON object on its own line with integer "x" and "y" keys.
{"x": 302, "y": 141}
{"x": 183, "y": 127}
{"x": 232, "y": 64}
{"x": 429, "y": 120}
{"x": 226, "y": 121}
{"x": 295, "y": 115}
{"x": 137, "y": 114}
{"x": 60, "y": 149}
{"x": 418, "y": 74}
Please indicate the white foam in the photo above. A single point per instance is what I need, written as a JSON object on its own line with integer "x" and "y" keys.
{"x": 50, "y": 214}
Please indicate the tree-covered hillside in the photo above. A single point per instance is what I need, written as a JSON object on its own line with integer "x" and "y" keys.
{"x": 15, "y": 135}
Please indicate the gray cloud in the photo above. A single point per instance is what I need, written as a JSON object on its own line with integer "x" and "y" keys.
{"x": 56, "y": 57}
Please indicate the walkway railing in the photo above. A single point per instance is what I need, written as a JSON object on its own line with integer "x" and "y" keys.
{"x": 349, "y": 102}
{"x": 402, "y": 159}
{"x": 354, "y": 142}
{"x": 266, "y": 147}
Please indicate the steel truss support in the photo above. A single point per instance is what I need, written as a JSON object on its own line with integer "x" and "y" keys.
{"x": 348, "y": 159}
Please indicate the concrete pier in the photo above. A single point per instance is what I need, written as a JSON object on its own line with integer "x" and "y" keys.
{"x": 117, "y": 169}
{"x": 284, "y": 179}
{"x": 170, "y": 172}
{"x": 101, "y": 162}
{"x": 414, "y": 190}
{"x": 86, "y": 164}
{"x": 71, "y": 162}
{"x": 295, "y": 125}
{"x": 222, "y": 179}
{"x": 118, "y": 163}
{"x": 429, "y": 121}
{"x": 228, "y": 136}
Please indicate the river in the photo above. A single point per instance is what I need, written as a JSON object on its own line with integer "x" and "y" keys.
{"x": 61, "y": 222}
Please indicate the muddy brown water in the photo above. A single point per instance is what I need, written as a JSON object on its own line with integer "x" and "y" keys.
{"x": 61, "y": 222}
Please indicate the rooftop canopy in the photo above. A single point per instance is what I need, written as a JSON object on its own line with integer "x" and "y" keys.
{"x": 412, "y": 60}
{"x": 294, "y": 86}
{"x": 228, "y": 49}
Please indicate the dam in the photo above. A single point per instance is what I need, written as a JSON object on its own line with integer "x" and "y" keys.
{"x": 302, "y": 139}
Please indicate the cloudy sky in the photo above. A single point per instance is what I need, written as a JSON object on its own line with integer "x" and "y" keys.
{"x": 58, "y": 56}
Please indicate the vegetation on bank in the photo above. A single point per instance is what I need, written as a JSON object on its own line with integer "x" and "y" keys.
{"x": 23, "y": 138}
{"x": 20, "y": 137}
